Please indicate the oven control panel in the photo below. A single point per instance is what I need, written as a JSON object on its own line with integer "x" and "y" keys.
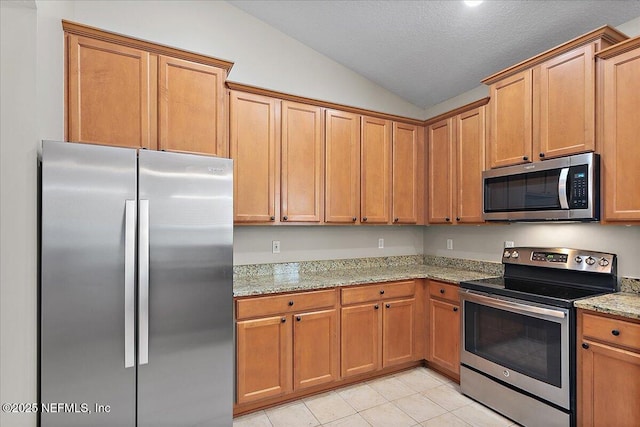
{"x": 563, "y": 258}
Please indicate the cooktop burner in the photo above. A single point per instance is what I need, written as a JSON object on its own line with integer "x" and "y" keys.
{"x": 554, "y": 276}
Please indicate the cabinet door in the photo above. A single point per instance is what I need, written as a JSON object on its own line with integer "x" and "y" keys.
{"x": 342, "y": 145}
{"x": 608, "y": 386}
{"x": 361, "y": 330}
{"x": 315, "y": 348}
{"x": 108, "y": 94}
{"x": 405, "y": 174}
{"x": 440, "y": 173}
{"x": 254, "y": 146}
{"x": 510, "y": 125}
{"x": 375, "y": 155}
{"x": 302, "y": 163}
{"x": 621, "y": 150}
{"x": 397, "y": 332}
{"x": 444, "y": 335}
{"x": 191, "y": 100}
{"x": 263, "y": 358}
{"x": 470, "y": 127}
{"x": 566, "y": 95}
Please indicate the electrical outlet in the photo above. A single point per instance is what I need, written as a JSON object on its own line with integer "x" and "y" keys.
{"x": 450, "y": 244}
{"x": 509, "y": 244}
{"x": 275, "y": 246}
{"x": 380, "y": 243}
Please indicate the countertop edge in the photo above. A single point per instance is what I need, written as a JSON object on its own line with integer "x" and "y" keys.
{"x": 623, "y": 304}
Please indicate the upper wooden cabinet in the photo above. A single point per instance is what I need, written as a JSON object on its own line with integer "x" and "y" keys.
{"x": 545, "y": 107}
{"x": 255, "y": 144}
{"x": 375, "y": 164}
{"x": 621, "y": 150}
{"x": 342, "y": 172}
{"x": 455, "y": 162}
{"x": 407, "y": 173}
{"x": 126, "y": 92}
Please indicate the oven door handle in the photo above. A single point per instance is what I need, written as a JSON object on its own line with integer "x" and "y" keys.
{"x": 513, "y": 306}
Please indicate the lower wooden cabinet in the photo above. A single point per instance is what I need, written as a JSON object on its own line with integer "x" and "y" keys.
{"x": 608, "y": 386}
{"x": 289, "y": 351}
{"x": 444, "y": 327}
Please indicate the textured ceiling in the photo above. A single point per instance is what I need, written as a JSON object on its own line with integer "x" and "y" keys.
{"x": 429, "y": 51}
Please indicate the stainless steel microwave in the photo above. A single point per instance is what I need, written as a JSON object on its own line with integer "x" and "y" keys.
{"x": 562, "y": 189}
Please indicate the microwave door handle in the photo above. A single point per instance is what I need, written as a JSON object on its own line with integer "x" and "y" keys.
{"x": 562, "y": 188}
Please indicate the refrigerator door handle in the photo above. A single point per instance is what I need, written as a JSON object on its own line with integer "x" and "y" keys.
{"x": 129, "y": 283}
{"x": 143, "y": 280}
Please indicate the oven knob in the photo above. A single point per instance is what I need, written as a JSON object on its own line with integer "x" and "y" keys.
{"x": 603, "y": 262}
{"x": 515, "y": 254}
{"x": 507, "y": 254}
{"x": 578, "y": 259}
{"x": 590, "y": 261}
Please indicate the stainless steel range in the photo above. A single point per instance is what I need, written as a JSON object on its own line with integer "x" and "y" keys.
{"x": 518, "y": 350}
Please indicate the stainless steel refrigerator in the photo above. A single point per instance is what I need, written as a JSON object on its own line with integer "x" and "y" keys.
{"x": 136, "y": 299}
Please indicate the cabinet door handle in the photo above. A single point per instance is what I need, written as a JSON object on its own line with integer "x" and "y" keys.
{"x": 376, "y": 306}
{"x": 525, "y": 158}
{"x": 396, "y": 219}
{"x": 615, "y": 332}
{"x": 455, "y": 308}
{"x": 286, "y": 218}
{"x": 283, "y": 320}
{"x": 388, "y": 305}
{"x": 298, "y": 318}
{"x": 381, "y": 291}
{"x": 364, "y": 219}
{"x": 541, "y": 155}
{"x": 273, "y": 218}
{"x": 354, "y": 219}
{"x": 290, "y": 303}
{"x": 585, "y": 345}
{"x": 442, "y": 291}
{"x": 457, "y": 218}
{"x": 447, "y": 219}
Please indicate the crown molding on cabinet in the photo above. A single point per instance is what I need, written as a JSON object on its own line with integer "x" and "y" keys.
{"x": 606, "y": 33}
{"x": 98, "y": 34}
{"x": 304, "y": 100}
{"x": 459, "y": 110}
{"x": 619, "y": 48}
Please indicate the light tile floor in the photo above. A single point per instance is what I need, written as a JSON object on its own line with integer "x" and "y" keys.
{"x": 418, "y": 397}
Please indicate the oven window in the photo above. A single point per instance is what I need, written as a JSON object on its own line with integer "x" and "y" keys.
{"x": 521, "y": 343}
{"x": 523, "y": 192}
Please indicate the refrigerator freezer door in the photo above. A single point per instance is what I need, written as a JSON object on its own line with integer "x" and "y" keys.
{"x": 84, "y": 344}
{"x": 188, "y": 377}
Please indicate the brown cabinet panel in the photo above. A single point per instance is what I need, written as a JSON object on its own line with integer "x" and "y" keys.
{"x": 444, "y": 327}
{"x": 108, "y": 94}
{"x": 567, "y": 104}
{"x": 354, "y": 295}
{"x": 405, "y": 174}
{"x": 315, "y": 348}
{"x": 254, "y": 146}
{"x": 302, "y": 160}
{"x": 621, "y": 150}
{"x": 284, "y": 303}
{"x": 611, "y": 331}
{"x": 342, "y": 146}
{"x": 444, "y": 291}
{"x": 440, "y": 172}
{"x": 469, "y": 164}
{"x": 398, "y": 332}
{"x": 361, "y": 331}
{"x": 263, "y": 358}
{"x": 191, "y": 103}
{"x": 510, "y": 134}
{"x": 375, "y": 184}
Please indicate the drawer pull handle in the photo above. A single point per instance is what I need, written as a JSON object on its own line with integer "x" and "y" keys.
{"x": 585, "y": 345}
{"x": 354, "y": 219}
{"x": 376, "y": 306}
{"x": 455, "y": 308}
{"x": 381, "y": 291}
{"x": 283, "y": 320}
{"x": 298, "y": 318}
{"x": 290, "y": 303}
{"x": 286, "y": 218}
{"x": 615, "y": 332}
{"x": 442, "y": 291}
{"x": 388, "y": 305}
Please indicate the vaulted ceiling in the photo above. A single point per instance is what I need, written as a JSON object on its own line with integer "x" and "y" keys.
{"x": 429, "y": 51}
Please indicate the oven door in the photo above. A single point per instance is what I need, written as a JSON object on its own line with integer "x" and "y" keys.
{"x": 517, "y": 342}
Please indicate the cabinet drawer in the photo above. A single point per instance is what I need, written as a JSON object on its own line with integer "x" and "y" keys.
{"x": 445, "y": 291}
{"x": 378, "y": 292}
{"x": 612, "y": 331}
{"x": 284, "y": 303}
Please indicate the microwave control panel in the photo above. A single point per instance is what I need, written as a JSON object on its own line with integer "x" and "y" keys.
{"x": 579, "y": 198}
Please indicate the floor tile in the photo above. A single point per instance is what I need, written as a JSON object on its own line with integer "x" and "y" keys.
{"x": 354, "y": 420}
{"x": 361, "y": 397}
{"x": 445, "y": 420}
{"x": 418, "y": 379}
{"x": 257, "y": 419}
{"x": 481, "y": 416}
{"x": 386, "y": 415}
{"x": 438, "y": 376}
{"x": 391, "y": 388}
{"x": 296, "y": 415}
{"x": 419, "y": 407}
{"x": 447, "y": 397}
{"x": 328, "y": 407}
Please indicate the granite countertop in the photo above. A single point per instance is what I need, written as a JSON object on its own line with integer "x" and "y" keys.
{"x": 626, "y": 304}
{"x": 305, "y": 281}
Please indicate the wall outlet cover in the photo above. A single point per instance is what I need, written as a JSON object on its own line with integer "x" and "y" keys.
{"x": 275, "y": 246}
{"x": 380, "y": 243}
{"x": 450, "y": 244}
